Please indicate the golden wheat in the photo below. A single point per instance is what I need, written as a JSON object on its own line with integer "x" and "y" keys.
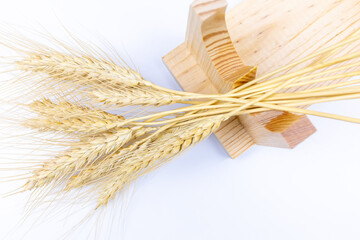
{"x": 110, "y": 152}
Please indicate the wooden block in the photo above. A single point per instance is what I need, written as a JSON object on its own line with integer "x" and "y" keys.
{"x": 209, "y": 42}
{"x": 272, "y": 33}
{"x": 278, "y": 129}
{"x": 267, "y": 34}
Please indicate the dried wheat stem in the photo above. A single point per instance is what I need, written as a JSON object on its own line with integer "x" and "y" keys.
{"x": 292, "y": 77}
{"x": 301, "y": 81}
{"x": 350, "y": 39}
{"x": 311, "y": 101}
{"x": 313, "y": 94}
{"x": 333, "y": 86}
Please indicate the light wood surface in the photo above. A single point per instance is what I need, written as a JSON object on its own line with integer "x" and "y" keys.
{"x": 267, "y": 34}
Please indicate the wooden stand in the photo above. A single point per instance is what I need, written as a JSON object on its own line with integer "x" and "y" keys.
{"x": 266, "y": 34}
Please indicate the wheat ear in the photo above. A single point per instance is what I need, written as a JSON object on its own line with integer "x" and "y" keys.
{"x": 69, "y": 117}
{"x": 153, "y": 153}
{"x": 82, "y": 154}
{"x": 102, "y": 80}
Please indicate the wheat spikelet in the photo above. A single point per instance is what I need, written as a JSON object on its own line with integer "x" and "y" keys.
{"x": 134, "y": 96}
{"x": 70, "y": 117}
{"x": 84, "y": 69}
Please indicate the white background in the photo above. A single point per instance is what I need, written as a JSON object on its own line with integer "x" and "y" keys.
{"x": 311, "y": 192}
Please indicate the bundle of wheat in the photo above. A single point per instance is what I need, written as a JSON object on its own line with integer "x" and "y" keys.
{"x": 75, "y": 91}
